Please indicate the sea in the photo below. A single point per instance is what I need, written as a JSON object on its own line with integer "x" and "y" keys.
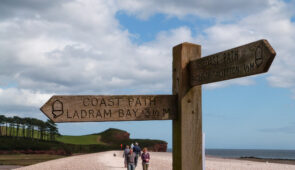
{"x": 257, "y": 153}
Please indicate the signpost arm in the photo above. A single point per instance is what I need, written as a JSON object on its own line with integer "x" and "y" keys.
{"x": 187, "y": 127}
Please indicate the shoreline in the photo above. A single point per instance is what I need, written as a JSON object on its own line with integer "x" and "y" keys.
{"x": 256, "y": 159}
{"x": 269, "y": 160}
{"x": 290, "y": 161}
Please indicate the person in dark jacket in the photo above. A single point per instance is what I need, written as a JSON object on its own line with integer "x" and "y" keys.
{"x": 125, "y": 155}
{"x": 145, "y": 156}
{"x": 131, "y": 160}
{"x": 137, "y": 151}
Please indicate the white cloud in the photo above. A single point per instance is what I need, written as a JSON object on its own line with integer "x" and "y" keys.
{"x": 273, "y": 24}
{"x": 79, "y": 47}
{"x": 203, "y": 8}
{"x": 21, "y": 97}
{"x": 19, "y": 101}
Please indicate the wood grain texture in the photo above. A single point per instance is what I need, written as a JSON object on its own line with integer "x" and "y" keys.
{"x": 110, "y": 108}
{"x": 187, "y": 126}
{"x": 246, "y": 60}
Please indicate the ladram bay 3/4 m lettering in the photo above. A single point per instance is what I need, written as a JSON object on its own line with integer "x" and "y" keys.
{"x": 110, "y": 108}
{"x": 246, "y": 60}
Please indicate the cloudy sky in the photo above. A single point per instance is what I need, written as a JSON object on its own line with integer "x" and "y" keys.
{"x": 124, "y": 47}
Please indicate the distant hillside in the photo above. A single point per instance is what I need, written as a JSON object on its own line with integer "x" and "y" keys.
{"x": 110, "y": 139}
{"x": 80, "y": 140}
{"x": 18, "y": 133}
{"x": 113, "y": 137}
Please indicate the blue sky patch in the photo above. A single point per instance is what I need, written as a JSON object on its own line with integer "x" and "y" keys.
{"x": 147, "y": 30}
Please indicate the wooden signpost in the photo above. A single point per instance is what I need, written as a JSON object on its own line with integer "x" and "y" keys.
{"x": 184, "y": 107}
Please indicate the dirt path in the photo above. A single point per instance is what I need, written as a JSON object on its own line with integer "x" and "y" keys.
{"x": 101, "y": 161}
{"x": 159, "y": 161}
{"x": 8, "y": 167}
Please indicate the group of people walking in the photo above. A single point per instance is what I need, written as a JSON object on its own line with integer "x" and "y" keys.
{"x": 131, "y": 155}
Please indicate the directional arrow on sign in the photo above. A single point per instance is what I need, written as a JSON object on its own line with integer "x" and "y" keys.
{"x": 246, "y": 60}
{"x": 110, "y": 108}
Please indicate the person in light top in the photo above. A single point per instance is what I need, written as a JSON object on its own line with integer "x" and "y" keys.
{"x": 131, "y": 146}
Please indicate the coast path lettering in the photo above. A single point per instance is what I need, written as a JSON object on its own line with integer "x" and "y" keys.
{"x": 110, "y": 108}
{"x": 184, "y": 107}
{"x": 249, "y": 59}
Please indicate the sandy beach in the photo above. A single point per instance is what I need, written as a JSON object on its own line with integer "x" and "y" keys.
{"x": 159, "y": 161}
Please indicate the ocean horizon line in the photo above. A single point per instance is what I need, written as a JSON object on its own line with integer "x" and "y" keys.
{"x": 250, "y": 153}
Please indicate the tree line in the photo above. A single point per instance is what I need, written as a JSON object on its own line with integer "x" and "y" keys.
{"x": 28, "y": 128}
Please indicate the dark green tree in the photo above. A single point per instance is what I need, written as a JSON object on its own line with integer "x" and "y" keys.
{"x": 23, "y": 123}
{"x": 9, "y": 124}
{"x": 53, "y": 131}
{"x": 28, "y": 123}
{"x": 17, "y": 121}
{"x": 2, "y": 120}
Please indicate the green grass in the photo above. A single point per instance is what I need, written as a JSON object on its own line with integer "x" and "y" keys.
{"x": 77, "y": 140}
{"x": 80, "y": 140}
{"x": 26, "y": 159}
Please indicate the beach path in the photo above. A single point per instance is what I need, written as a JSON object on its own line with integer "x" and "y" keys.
{"x": 101, "y": 161}
{"x": 159, "y": 161}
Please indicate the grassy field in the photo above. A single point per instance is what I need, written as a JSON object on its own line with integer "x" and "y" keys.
{"x": 20, "y": 133}
{"x": 77, "y": 140}
{"x": 80, "y": 140}
{"x": 26, "y": 159}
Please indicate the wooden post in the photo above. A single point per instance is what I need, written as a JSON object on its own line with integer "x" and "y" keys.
{"x": 187, "y": 127}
